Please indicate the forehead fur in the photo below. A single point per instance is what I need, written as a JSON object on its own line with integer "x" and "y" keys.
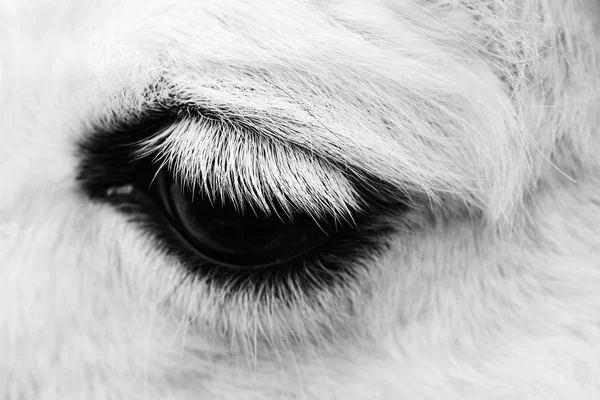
{"x": 398, "y": 100}
{"x": 385, "y": 99}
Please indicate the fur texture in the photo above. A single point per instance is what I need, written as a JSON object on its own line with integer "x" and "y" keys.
{"x": 483, "y": 115}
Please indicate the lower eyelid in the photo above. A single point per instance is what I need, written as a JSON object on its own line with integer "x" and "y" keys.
{"x": 332, "y": 263}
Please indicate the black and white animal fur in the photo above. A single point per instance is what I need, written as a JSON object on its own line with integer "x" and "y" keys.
{"x": 482, "y": 116}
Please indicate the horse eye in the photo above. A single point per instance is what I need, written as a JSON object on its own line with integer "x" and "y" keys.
{"x": 225, "y": 235}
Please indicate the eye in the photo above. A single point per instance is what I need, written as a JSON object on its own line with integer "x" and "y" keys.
{"x": 222, "y": 233}
{"x": 227, "y": 243}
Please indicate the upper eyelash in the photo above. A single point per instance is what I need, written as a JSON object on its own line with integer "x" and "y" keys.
{"x": 208, "y": 157}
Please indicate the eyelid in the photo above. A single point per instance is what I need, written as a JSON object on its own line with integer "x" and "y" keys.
{"x": 172, "y": 132}
{"x": 110, "y": 157}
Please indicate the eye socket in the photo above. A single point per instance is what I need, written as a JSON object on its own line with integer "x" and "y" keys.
{"x": 264, "y": 255}
{"x": 225, "y": 236}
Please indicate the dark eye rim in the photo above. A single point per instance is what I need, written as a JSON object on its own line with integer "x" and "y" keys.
{"x": 332, "y": 263}
{"x": 107, "y": 161}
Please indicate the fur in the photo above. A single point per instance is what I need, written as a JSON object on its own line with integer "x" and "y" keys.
{"x": 483, "y": 115}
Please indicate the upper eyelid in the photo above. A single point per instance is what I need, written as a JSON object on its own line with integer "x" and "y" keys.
{"x": 354, "y": 171}
{"x": 226, "y": 155}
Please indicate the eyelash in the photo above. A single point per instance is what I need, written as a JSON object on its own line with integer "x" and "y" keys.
{"x": 108, "y": 163}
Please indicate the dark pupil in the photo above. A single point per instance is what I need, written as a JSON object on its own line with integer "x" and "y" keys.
{"x": 225, "y": 236}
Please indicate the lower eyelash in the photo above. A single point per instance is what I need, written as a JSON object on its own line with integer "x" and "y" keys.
{"x": 316, "y": 270}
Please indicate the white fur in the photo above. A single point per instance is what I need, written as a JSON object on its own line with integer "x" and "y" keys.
{"x": 485, "y": 113}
